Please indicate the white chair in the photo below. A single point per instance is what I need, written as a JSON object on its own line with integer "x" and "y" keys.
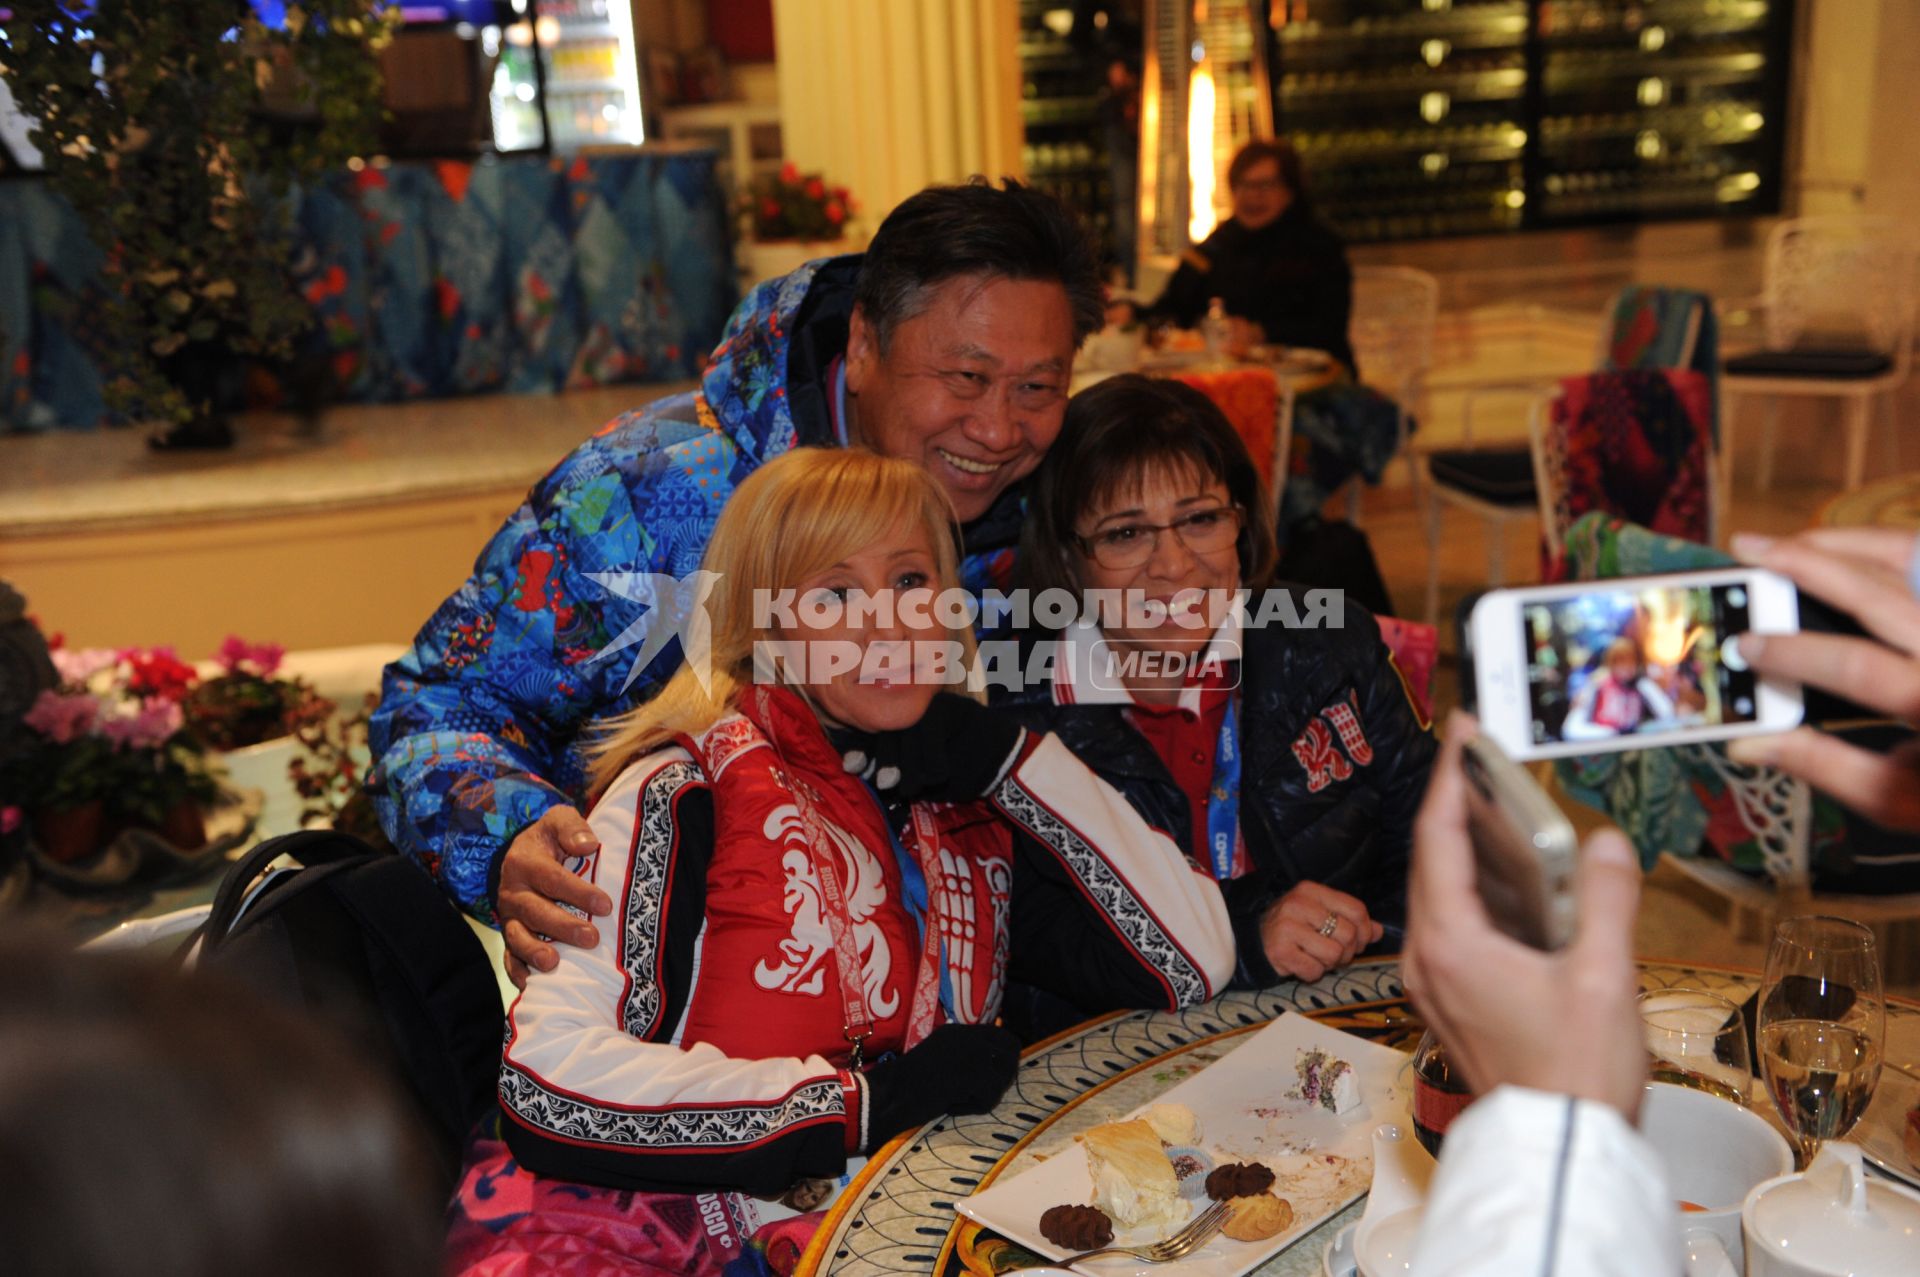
{"x": 1838, "y": 324}
{"x": 1395, "y": 311}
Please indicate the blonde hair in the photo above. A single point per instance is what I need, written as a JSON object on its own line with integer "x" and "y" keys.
{"x": 794, "y": 517}
{"x": 1623, "y": 648}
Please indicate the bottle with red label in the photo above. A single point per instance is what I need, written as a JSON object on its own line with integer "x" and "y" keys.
{"x": 1439, "y": 1093}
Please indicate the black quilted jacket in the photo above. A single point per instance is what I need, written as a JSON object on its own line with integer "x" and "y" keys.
{"x": 1305, "y": 815}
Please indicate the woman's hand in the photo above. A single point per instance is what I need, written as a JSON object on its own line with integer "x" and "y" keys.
{"x": 956, "y": 752}
{"x": 1565, "y": 1022}
{"x": 1296, "y": 936}
{"x": 534, "y": 884}
{"x": 1865, "y": 573}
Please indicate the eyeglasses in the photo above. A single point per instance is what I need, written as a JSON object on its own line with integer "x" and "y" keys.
{"x": 1131, "y": 544}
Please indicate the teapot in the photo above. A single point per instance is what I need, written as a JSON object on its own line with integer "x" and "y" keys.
{"x": 1831, "y": 1221}
{"x": 1402, "y": 1171}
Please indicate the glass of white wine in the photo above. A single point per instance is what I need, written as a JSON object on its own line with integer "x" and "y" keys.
{"x": 1699, "y": 1040}
{"x": 1822, "y": 1022}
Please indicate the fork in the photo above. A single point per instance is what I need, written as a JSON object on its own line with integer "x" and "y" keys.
{"x": 1196, "y": 1234}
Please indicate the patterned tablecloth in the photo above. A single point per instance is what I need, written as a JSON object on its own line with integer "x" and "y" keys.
{"x": 898, "y": 1215}
{"x": 1893, "y": 502}
{"x": 426, "y": 278}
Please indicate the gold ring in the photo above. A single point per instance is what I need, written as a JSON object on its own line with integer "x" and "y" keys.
{"x": 1332, "y": 924}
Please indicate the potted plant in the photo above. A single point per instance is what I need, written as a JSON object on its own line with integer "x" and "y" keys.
{"x": 330, "y": 775}
{"x": 251, "y": 713}
{"x": 175, "y": 132}
{"x": 792, "y": 218}
{"x": 107, "y": 750}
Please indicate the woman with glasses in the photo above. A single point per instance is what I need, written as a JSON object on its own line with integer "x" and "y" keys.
{"x": 1273, "y": 264}
{"x": 1270, "y": 733}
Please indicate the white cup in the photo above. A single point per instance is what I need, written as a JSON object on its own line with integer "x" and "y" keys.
{"x": 1714, "y": 1152}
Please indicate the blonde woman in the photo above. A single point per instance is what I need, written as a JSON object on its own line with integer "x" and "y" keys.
{"x": 800, "y": 966}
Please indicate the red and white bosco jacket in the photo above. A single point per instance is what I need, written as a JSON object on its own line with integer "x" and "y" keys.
{"x": 701, "y": 1045}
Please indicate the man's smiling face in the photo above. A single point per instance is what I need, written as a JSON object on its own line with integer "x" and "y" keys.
{"x": 973, "y": 387}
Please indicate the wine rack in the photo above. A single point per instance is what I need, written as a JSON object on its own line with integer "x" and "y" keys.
{"x": 1419, "y": 118}
{"x": 1065, "y": 152}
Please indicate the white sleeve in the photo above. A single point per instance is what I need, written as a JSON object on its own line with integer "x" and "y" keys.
{"x": 1170, "y": 915}
{"x": 593, "y": 1084}
{"x": 1538, "y": 1184}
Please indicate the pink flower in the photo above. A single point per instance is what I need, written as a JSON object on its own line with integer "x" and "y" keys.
{"x": 62, "y": 716}
{"x": 77, "y": 665}
{"x": 259, "y": 658}
{"x": 150, "y": 727}
{"x": 10, "y": 819}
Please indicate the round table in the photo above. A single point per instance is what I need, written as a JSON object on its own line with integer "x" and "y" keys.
{"x": 897, "y": 1216}
{"x": 1886, "y": 503}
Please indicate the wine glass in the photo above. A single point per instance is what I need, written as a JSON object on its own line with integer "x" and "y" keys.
{"x": 1822, "y": 1022}
{"x": 1698, "y": 1040}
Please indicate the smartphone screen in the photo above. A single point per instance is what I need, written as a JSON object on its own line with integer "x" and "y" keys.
{"x": 1636, "y": 662}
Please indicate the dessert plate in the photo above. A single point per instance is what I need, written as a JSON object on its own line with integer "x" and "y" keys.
{"x": 1322, "y": 1162}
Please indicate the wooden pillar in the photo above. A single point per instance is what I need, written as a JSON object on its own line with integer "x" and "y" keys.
{"x": 887, "y": 96}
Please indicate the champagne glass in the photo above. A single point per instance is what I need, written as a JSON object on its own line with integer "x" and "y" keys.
{"x": 1697, "y": 1040}
{"x": 1822, "y": 1022}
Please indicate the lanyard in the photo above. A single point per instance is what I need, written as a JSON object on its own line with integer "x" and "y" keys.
{"x": 1223, "y": 796}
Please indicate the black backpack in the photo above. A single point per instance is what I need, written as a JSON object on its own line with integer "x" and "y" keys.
{"x": 366, "y": 939}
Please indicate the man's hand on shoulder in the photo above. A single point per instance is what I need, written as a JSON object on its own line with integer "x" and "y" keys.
{"x": 534, "y": 885}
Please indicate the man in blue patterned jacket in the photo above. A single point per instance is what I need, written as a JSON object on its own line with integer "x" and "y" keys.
{"x": 949, "y": 342}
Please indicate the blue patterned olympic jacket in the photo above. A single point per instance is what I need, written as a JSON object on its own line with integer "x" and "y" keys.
{"x": 478, "y": 723}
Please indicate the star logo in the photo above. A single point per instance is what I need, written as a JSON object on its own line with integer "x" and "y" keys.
{"x": 676, "y": 608}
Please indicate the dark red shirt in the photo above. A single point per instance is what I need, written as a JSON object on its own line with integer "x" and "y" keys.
{"x": 1186, "y": 740}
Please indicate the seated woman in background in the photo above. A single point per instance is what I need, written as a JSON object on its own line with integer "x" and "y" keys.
{"x": 1272, "y": 264}
{"x": 800, "y": 967}
{"x": 1288, "y": 761}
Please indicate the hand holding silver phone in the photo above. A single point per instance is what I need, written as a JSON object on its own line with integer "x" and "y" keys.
{"x": 1524, "y": 848}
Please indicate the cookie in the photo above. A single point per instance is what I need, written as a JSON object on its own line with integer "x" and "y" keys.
{"x": 1238, "y": 1179}
{"x": 1076, "y": 1227}
{"x": 1254, "y": 1219}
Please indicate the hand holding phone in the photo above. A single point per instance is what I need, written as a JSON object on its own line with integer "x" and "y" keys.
{"x": 1630, "y": 663}
{"x": 1524, "y": 848}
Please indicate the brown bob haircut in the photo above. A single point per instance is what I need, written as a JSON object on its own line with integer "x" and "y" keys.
{"x": 1117, "y": 433}
{"x": 1281, "y": 152}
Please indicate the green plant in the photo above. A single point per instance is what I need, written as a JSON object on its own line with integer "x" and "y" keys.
{"x": 791, "y": 206}
{"x": 175, "y": 131}
{"x": 329, "y": 774}
{"x": 250, "y": 701}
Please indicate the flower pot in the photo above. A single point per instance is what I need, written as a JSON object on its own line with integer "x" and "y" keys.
{"x": 264, "y": 767}
{"x": 184, "y": 826}
{"x": 761, "y": 260}
{"x": 66, "y": 834}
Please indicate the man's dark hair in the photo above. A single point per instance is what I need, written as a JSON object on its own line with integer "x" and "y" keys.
{"x": 1119, "y": 433}
{"x": 948, "y": 232}
{"x": 1281, "y": 152}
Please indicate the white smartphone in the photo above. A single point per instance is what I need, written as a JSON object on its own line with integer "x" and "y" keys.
{"x": 1630, "y": 663}
{"x": 1524, "y": 848}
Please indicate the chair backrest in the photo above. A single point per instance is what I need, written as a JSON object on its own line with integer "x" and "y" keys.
{"x": 1839, "y": 281}
{"x": 1637, "y": 443}
{"x": 1651, "y": 327}
{"x": 1395, "y": 311}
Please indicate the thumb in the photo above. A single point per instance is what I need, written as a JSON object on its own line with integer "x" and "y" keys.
{"x": 570, "y": 831}
{"x": 1609, "y": 893}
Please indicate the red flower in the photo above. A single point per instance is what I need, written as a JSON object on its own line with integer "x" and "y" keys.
{"x": 158, "y": 672}
{"x": 835, "y": 213}
{"x": 816, "y": 189}
{"x": 770, "y": 208}
{"x": 790, "y": 172}
{"x": 840, "y": 193}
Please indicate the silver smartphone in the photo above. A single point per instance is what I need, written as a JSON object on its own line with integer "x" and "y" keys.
{"x": 1524, "y": 849}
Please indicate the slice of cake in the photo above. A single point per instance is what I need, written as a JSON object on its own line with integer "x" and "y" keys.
{"x": 1133, "y": 1182}
{"x": 1327, "y": 1081}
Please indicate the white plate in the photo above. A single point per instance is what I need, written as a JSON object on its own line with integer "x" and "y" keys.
{"x": 1322, "y": 1163}
{"x": 1879, "y": 1133}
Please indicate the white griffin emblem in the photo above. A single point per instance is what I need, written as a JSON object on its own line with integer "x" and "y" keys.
{"x": 800, "y": 966}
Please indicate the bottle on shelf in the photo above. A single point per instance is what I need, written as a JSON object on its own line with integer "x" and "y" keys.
{"x": 1439, "y": 1093}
